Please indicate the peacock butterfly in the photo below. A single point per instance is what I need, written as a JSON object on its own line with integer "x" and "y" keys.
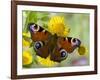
{"x": 46, "y": 44}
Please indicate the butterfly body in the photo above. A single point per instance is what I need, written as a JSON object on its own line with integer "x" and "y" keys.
{"x": 47, "y": 44}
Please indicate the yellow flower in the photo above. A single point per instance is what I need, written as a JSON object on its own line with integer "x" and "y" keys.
{"x": 26, "y": 34}
{"x": 46, "y": 62}
{"x": 26, "y": 42}
{"x": 27, "y": 58}
{"x": 66, "y": 32}
{"x": 82, "y": 50}
{"x": 56, "y": 26}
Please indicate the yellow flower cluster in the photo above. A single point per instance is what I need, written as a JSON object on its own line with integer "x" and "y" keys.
{"x": 27, "y": 34}
{"x": 82, "y": 50}
{"x": 26, "y": 43}
{"x": 27, "y": 55}
{"x": 46, "y": 62}
{"x": 27, "y": 58}
{"x": 57, "y": 26}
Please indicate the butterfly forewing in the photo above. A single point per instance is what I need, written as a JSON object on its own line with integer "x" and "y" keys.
{"x": 69, "y": 43}
{"x": 39, "y": 34}
{"x": 63, "y": 47}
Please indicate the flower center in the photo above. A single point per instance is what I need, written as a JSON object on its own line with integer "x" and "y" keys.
{"x": 59, "y": 28}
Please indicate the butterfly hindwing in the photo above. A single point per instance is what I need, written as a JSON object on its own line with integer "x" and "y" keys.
{"x": 64, "y": 47}
{"x": 58, "y": 54}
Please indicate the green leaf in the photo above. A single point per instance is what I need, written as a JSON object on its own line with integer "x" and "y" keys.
{"x": 31, "y": 18}
{"x": 45, "y": 18}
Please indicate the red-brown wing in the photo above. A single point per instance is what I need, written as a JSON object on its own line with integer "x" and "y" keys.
{"x": 41, "y": 38}
{"x": 38, "y": 33}
{"x": 69, "y": 43}
{"x": 64, "y": 46}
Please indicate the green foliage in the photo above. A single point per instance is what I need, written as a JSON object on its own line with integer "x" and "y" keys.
{"x": 34, "y": 17}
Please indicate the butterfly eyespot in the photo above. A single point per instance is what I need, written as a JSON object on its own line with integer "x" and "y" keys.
{"x": 38, "y": 45}
{"x": 34, "y": 28}
{"x": 74, "y": 41}
{"x": 63, "y": 53}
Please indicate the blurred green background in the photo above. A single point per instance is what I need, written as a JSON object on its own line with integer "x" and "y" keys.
{"x": 79, "y": 26}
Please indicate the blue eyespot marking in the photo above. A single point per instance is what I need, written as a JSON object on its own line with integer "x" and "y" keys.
{"x": 38, "y": 45}
{"x": 63, "y": 53}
